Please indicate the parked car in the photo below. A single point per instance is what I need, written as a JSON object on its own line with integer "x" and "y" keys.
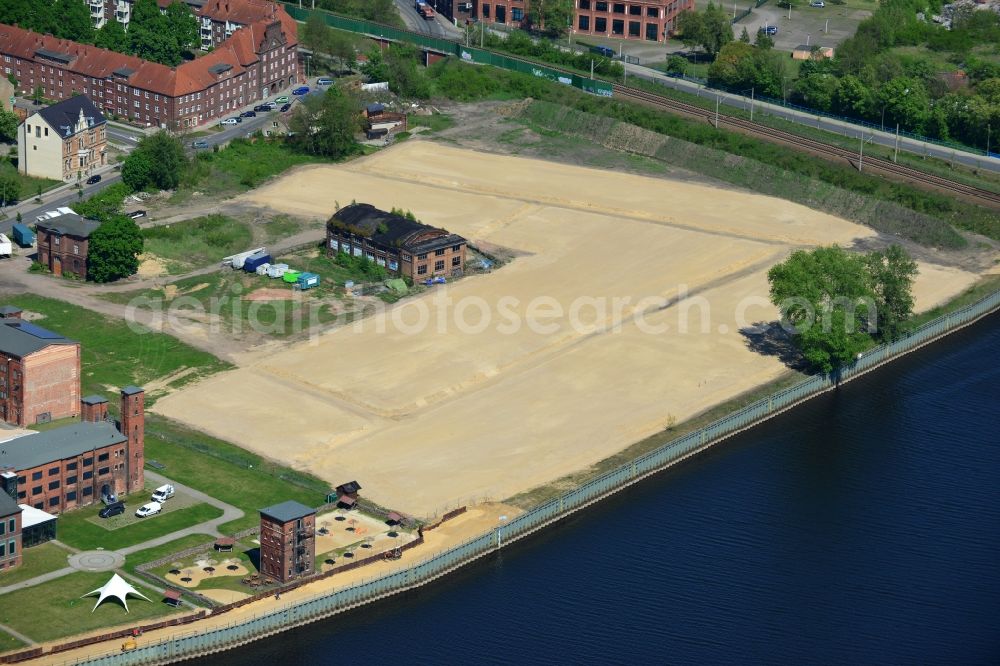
{"x": 605, "y": 51}
{"x": 268, "y": 106}
{"x": 94, "y": 179}
{"x": 229, "y": 121}
{"x": 109, "y": 498}
{"x": 200, "y": 143}
{"x": 770, "y": 29}
{"x": 111, "y": 510}
{"x": 150, "y": 509}
{"x": 817, "y": 3}
{"x": 249, "y": 114}
{"x": 282, "y": 100}
{"x": 285, "y": 107}
{"x": 261, "y": 108}
{"x": 324, "y": 81}
{"x": 136, "y": 214}
{"x": 301, "y": 90}
{"x": 163, "y": 493}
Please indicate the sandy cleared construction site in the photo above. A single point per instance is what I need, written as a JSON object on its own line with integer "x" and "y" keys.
{"x": 621, "y": 312}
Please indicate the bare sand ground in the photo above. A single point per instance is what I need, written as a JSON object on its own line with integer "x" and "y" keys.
{"x": 502, "y": 382}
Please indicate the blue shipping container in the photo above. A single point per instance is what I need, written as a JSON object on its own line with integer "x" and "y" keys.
{"x": 308, "y": 280}
{"x": 251, "y": 263}
{"x": 23, "y": 236}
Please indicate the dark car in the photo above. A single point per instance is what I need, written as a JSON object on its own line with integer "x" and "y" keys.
{"x": 301, "y": 90}
{"x": 770, "y": 30}
{"x": 249, "y": 114}
{"x": 200, "y": 143}
{"x": 603, "y": 50}
{"x": 261, "y": 107}
{"x": 285, "y": 107}
{"x": 93, "y": 179}
{"x": 113, "y": 509}
{"x": 136, "y": 214}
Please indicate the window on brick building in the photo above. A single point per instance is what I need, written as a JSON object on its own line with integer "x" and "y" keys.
{"x": 653, "y": 12}
{"x": 35, "y": 476}
{"x": 70, "y": 466}
{"x": 70, "y": 480}
{"x": 439, "y": 265}
{"x": 600, "y": 24}
{"x": 456, "y": 261}
{"x": 53, "y": 485}
{"x": 618, "y": 27}
{"x": 439, "y": 253}
{"x": 88, "y": 491}
{"x": 104, "y": 456}
{"x": 71, "y": 496}
{"x": 54, "y": 501}
{"x": 584, "y": 4}
{"x": 422, "y": 269}
{"x": 87, "y": 462}
{"x": 37, "y": 490}
{"x": 618, "y": 8}
{"x": 652, "y": 32}
{"x": 634, "y": 28}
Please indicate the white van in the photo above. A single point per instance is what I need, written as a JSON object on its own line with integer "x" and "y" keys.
{"x": 163, "y": 493}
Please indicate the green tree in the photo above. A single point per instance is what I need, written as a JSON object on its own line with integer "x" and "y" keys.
{"x": 315, "y": 34}
{"x": 8, "y": 125}
{"x": 818, "y": 90}
{"x": 74, "y": 21}
{"x": 137, "y": 170}
{"x": 741, "y": 66}
{"x": 906, "y": 102}
{"x": 343, "y": 46}
{"x": 890, "y": 280}
{"x": 182, "y": 26}
{"x": 150, "y": 36}
{"x": 676, "y": 65}
{"x": 853, "y": 97}
{"x": 824, "y": 295}
{"x": 112, "y": 36}
{"x": 745, "y": 36}
{"x": 10, "y": 184}
{"x": 552, "y": 17}
{"x": 762, "y": 40}
{"x": 166, "y": 154}
{"x": 104, "y": 205}
{"x": 711, "y": 29}
{"x": 38, "y": 93}
{"x": 114, "y": 249}
{"x": 326, "y": 124}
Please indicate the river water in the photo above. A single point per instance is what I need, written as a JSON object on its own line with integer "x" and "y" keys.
{"x": 862, "y": 527}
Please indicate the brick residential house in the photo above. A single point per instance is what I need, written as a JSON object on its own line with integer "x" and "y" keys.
{"x": 39, "y": 372}
{"x": 10, "y": 533}
{"x": 256, "y": 61}
{"x": 64, "y": 468}
{"x": 649, "y": 20}
{"x": 287, "y": 541}
{"x": 65, "y": 141}
{"x": 63, "y": 239}
{"x": 400, "y": 245}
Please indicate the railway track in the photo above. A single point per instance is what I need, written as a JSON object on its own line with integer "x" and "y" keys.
{"x": 889, "y": 169}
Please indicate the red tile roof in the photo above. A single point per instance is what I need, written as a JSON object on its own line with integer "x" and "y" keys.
{"x": 239, "y": 51}
{"x": 243, "y": 12}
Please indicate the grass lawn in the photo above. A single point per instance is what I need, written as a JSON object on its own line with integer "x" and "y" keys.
{"x": 238, "y": 167}
{"x": 198, "y": 242}
{"x": 75, "y": 530}
{"x": 227, "y": 472}
{"x": 54, "y": 609}
{"x": 141, "y": 557}
{"x": 8, "y": 642}
{"x": 36, "y": 561}
{"x": 113, "y": 355}
{"x": 435, "y": 121}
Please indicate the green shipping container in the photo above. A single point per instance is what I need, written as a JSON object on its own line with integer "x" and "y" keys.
{"x": 291, "y": 277}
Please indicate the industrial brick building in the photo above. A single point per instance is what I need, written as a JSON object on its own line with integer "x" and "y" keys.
{"x": 649, "y": 20}
{"x": 63, "y": 468}
{"x": 39, "y": 372}
{"x": 64, "y": 141}
{"x": 400, "y": 245}
{"x": 287, "y": 541}
{"x": 10, "y": 532}
{"x": 63, "y": 239}
{"x": 255, "y": 61}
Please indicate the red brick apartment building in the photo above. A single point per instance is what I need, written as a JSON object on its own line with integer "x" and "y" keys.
{"x": 10, "y": 532}
{"x": 257, "y": 60}
{"x": 39, "y": 372}
{"x": 287, "y": 541}
{"x": 650, "y": 20}
{"x": 402, "y": 246}
{"x": 63, "y": 239}
{"x": 71, "y": 466}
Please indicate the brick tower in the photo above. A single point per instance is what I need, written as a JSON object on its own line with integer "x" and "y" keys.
{"x": 133, "y": 426}
{"x": 93, "y": 409}
{"x": 287, "y": 541}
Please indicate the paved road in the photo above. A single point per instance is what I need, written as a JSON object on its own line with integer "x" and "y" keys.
{"x": 439, "y": 27}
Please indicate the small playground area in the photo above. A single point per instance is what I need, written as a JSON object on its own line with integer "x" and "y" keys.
{"x": 344, "y": 536}
{"x": 205, "y": 568}
{"x": 430, "y": 415}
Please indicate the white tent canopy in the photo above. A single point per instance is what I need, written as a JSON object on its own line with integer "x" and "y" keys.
{"x": 116, "y": 587}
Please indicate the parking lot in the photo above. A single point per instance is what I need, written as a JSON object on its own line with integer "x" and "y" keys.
{"x": 180, "y": 500}
{"x": 817, "y": 26}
